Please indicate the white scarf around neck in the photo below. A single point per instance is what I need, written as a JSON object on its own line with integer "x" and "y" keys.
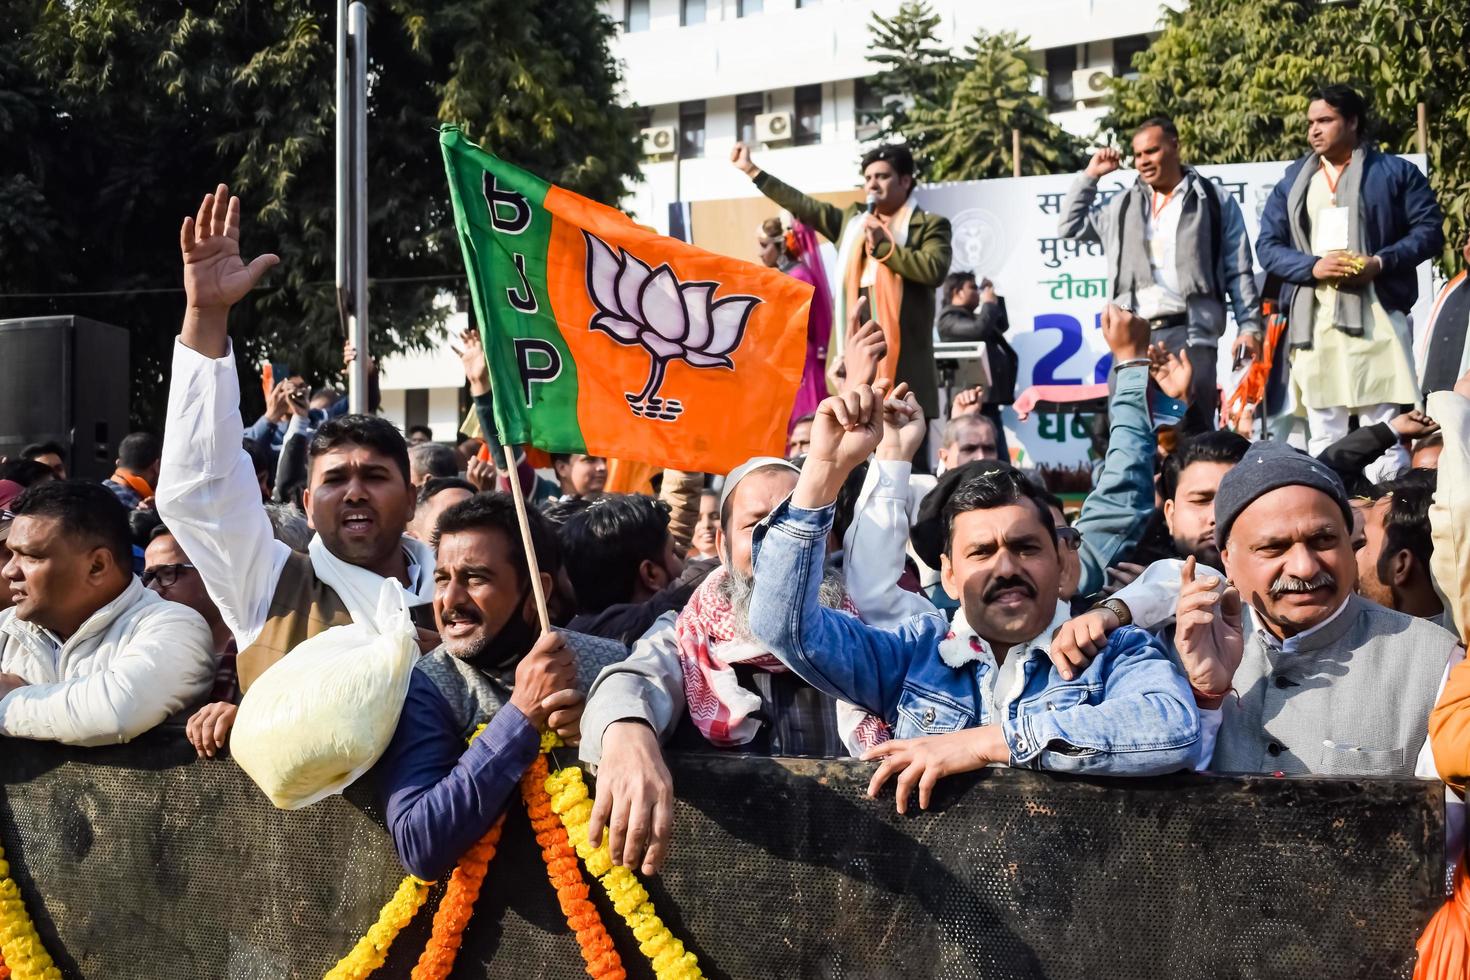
{"x": 360, "y": 589}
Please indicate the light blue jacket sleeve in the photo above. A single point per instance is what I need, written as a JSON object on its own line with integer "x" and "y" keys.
{"x": 829, "y": 649}
{"x": 1145, "y": 724}
{"x": 1115, "y": 514}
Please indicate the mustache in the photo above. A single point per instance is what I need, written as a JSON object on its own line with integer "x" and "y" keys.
{"x": 1010, "y": 582}
{"x": 468, "y": 614}
{"x": 1288, "y": 584}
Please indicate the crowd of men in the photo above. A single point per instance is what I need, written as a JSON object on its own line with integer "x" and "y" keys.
{"x": 1216, "y": 604}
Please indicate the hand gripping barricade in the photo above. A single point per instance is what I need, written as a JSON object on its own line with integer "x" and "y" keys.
{"x": 137, "y": 860}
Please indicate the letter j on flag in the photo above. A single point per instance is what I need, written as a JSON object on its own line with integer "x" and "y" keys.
{"x": 606, "y": 338}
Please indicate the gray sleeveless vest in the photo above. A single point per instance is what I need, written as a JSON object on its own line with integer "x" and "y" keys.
{"x": 1352, "y": 700}
{"x": 475, "y": 695}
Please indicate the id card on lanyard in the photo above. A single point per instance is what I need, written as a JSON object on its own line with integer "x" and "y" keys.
{"x": 1330, "y": 230}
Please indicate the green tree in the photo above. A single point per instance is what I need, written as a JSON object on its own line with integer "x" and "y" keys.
{"x": 956, "y": 111}
{"x": 970, "y": 136}
{"x": 918, "y": 70}
{"x": 130, "y": 112}
{"x": 1235, "y": 76}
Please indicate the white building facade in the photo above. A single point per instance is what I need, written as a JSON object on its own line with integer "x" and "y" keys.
{"x": 703, "y": 74}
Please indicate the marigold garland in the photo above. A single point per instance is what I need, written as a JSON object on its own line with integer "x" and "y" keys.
{"x": 372, "y": 949}
{"x": 24, "y": 957}
{"x": 602, "y": 960}
{"x": 456, "y": 907}
{"x": 571, "y": 802}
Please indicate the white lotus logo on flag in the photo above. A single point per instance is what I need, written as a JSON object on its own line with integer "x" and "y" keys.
{"x": 652, "y": 309}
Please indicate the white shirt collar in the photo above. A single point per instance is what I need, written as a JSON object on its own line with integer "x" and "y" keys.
{"x": 1291, "y": 643}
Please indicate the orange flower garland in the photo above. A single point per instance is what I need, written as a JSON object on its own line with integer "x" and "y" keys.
{"x": 456, "y": 907}
{"x": 565, "y": 874}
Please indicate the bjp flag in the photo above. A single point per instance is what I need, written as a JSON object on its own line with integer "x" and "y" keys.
{"x": 605, "y": 338}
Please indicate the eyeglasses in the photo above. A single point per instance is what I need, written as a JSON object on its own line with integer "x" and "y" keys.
{"x": 1069, "y": 537}
{"x": 164, "y": 575}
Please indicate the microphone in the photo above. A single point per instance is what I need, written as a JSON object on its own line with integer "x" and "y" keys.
{"x": 872, "y": 202}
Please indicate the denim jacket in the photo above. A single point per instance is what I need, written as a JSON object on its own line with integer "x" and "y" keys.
{"x": 1129, "y": 713}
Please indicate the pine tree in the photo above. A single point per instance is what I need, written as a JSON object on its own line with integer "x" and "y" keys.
{"x": 970, "y": 137}
{"x": 919, "y": 71}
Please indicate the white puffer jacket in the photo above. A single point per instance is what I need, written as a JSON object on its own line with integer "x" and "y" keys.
{"x": 131, "y": 665}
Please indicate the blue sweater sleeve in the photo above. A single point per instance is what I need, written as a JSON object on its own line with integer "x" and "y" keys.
{"x": 1117, "y": 511}
{"x": 439, "y": 796}
{"x": 1425, "y": 236}
{"x": 1273, "y": 242}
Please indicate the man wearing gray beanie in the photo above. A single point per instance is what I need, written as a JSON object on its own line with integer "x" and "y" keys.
{"x": 1296, "y": 672}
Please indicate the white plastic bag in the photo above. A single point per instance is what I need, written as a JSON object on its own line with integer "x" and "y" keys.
{"x": 319, "y": 717}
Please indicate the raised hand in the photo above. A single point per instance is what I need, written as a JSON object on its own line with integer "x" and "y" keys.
{"x": 1126, "y": 334}
{"x": 1243, "y": 420}
{"x": 215, "y": 277}
{"x": 865, "y": 350}
{"x": 1171, "y": 372}
{"x": 1104, "y": 162}
{"x": 472, "y": 357}
{"x": 482, "y": 473}
{"x": 967, "y": 402}
{"x": 740, "y": 157}
{"x": 903, "y": 425}
{"x": 845, "y": 431}
{"x": 1208, "y": 634}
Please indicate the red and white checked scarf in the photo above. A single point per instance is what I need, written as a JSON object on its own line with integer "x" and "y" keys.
{"x": 719, "y": 707}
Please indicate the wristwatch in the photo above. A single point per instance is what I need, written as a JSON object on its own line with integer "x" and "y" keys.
{"x": 1118, "y": 608}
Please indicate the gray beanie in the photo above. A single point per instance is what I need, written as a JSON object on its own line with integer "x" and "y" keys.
{"x": 1270, "y": 465}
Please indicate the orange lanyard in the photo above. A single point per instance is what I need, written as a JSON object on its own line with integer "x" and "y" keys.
{"x": 1158, "y": 208}
{"x": 1332, "y": 177}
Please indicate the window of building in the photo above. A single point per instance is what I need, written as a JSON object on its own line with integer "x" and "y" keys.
{"x": 747, "y": 107}
{"x": 635, "y": 15}
{"x": 1060, "y": 63}
{"x": 744, "y": 8}
{"x": 867, "y": 110}
{"x": 692, "y": 12}
{"x": 1124, "y": 48}
{"x": 691, "y": 130}
{"x": 808, "y": 114}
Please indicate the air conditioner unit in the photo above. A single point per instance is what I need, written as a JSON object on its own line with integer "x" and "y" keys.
{"x": 773, "y": 127}
{"x": 658, "y": 141}
{"x": 1091, "y": 84}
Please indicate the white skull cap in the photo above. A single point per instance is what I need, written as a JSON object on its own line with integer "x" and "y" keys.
{"x": 748, "y": 467}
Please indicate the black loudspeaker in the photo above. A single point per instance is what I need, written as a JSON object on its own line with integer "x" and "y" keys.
{"x": 64, "y": 379}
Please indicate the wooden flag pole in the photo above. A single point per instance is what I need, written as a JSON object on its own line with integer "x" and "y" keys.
{"x": 519, "y": 496}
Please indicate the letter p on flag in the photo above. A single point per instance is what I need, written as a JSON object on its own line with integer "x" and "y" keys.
{"x": 621, "y": 342}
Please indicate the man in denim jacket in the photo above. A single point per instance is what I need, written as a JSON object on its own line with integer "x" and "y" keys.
{"x": 982, "y": 689}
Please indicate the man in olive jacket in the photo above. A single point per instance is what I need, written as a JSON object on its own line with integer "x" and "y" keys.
{"x": 889, "y": 251}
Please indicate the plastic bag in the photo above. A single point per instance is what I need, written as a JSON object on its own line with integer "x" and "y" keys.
{"x": 319, "y": 717}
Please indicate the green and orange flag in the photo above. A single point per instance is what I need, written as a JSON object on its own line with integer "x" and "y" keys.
{"x": 606, "y": 338}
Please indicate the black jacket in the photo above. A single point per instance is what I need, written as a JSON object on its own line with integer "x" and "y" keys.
{"x": 988, "y": 324}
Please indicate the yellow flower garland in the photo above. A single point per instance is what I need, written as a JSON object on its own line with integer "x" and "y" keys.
{"x": 20, "y": 944}
{"x": 571, "y": 802}
{"x": 372, "y": 949}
